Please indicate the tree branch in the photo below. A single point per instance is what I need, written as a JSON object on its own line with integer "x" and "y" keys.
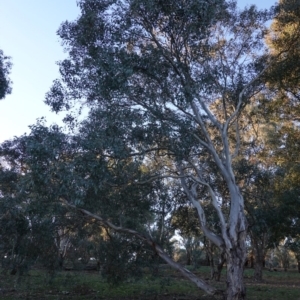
{"x": 186, "y": 273}
{"x": 217, "y": 240}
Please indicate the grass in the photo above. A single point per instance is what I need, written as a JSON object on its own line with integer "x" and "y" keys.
{"x": 90, "y": 285}
{"x": 169, "y": 285}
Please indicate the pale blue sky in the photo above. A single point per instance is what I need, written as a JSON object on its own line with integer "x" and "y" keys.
{"x": 28, "y": 34}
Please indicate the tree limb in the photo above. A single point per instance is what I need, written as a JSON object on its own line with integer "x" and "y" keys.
{"x": 186, "y": 273}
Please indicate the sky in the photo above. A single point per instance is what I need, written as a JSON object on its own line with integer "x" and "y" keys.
{"x": 28, "y": 34}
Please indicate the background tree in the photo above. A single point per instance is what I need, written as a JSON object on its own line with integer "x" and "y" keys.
{"x": 279, "y": 108}
{"x": 32, "y": 215}
{"x": 283, "y": 40}
{"x": 51, "y": 167}
{"x": 294, "y": 245}
{"x": 185, "y": 221}
{"x": 5, "y": 83}
{"x": 258, "y": 190}
{"x": 265, "y": 179}
{"x": 274, "y": 137}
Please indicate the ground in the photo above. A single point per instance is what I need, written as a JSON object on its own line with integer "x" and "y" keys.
{"x": 168, "y": 286}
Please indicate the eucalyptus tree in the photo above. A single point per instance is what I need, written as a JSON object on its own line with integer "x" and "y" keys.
{"x": 30, "y": 219}
{"x": 265, "y": 171}
{"x": 294, "y": 245}
{"x": 156, "y": 69}
{"x": 51, "y": 167}
{"x": 283, "y": 40}
{"x": 14, "y": 226}
{"x": 280, "y": 110}
{"x": 5, "y": 83}
{"x": 257, "y": 184}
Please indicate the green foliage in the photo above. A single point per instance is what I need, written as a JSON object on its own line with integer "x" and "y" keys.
{"x": 165, "y": 83}
{"x": 5, "y": 83}
{"x": 186, "y": 220}
{"x": 47, "y": 168}
{"x": 122, "y": 257}
{"x": 284, "y": 43}
{"x": 280, "y": 111}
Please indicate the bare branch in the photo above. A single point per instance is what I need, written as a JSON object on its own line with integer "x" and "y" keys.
{"x": 238, "y": 139}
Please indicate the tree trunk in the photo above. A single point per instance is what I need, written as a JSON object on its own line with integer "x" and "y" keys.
{"x": 298, "y": 261}
{"x": 258, "y": 261}
{"x": 212, "y": 267}
{"x": 235, "y": 246}
{"x": 235, "y": 280}
{"x": 220, "y": 266}
{"x": 210, "y": 257}
{"x": 188, "y": 256}
{"x": 251, "y": 261}
{"x": 258, "y": 270}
